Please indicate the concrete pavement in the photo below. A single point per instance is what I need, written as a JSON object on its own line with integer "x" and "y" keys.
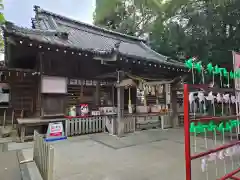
{"x": 145, "y": 155}
{"x": 9, "y": 166}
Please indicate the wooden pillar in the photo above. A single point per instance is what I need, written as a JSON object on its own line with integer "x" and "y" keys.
{"x": 173, "y": 106}
{"x": 167, "y": 94}
{"x": 97, "y": 100}
{"x": 81, "y": 91}
{"x": 120, "y": 105}
{"x": 39, "y": 89}
{"x": 113, "y": 95}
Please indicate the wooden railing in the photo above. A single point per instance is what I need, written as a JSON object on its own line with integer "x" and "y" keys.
{"x": 43, "y": 155}
{"x": 84, "y": 125}
{"x": 129, "y": 124}
{"x": 166, "y": 121}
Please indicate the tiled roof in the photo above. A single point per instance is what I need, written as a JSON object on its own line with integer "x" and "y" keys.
{"x": 49, "y": 27}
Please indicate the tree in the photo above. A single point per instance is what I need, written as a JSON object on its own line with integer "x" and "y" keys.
{"x": 132, "y": 17}
{"x": 179, "y": 28}
{"x": 2, "y": 21}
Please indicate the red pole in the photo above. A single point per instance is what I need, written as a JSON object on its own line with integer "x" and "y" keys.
{"x": 187, "y": 133}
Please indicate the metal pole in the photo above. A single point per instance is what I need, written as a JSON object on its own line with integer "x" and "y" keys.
{"x": 187, "y": 133}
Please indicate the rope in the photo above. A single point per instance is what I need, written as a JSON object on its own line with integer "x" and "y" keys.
{"x": 140, "y": 78}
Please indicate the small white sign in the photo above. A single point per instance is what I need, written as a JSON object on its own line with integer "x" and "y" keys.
{"x": 55, "y": 129}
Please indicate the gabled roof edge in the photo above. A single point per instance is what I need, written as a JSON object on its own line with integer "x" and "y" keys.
{"x": 39, "y": 10}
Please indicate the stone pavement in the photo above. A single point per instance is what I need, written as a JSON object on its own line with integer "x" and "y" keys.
{"x": 11, "y": 154}
{"x": 9, "y": 166}
{"x": 145, "y": 155}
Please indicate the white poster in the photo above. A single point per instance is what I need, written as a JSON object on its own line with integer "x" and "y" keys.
{"x": 54, "y": 84}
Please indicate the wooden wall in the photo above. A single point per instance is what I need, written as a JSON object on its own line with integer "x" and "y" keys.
{"x": 23, "y": 91}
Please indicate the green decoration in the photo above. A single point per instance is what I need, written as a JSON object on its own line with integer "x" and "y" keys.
{"x": 198, "y": 66}
{"x": 210, "y": 68}
{"x": 211, "y": 126}
{"x": 232, "y": 75}
{"x": 224, "y": 72}
{"x": 216, "y": 70}
{"x": 189, "y": 63}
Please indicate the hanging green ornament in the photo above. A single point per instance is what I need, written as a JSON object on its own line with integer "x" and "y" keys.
{"x": 224, "y": 72}
{"x": 198, "y": 66}
{"x": 199, "y": 128}
{"x": 189, "y": 63}
{"x": 232, "y": 75}
{"x": 235, "y": 123}
{"x": 192, "y": 127}
{"x": 210, "y": 68}
{"x": 221, "y": 127}
{"x": 216, "y": 70}
{"x": 228, "y": 126}
{"x": 211, "y": 126}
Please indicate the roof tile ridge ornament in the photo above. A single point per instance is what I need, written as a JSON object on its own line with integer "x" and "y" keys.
{"x": 39, "y": 10}
{"x": 36, "y": 8}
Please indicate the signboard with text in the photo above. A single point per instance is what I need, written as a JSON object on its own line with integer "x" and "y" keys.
{"x": 55, "y": 132}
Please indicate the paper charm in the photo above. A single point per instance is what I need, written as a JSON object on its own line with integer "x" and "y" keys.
{"x": 212, "y": 157}
{"x": 191, "y": 100}
{"x": 233, "y": 99}
{"x": 219, "y": 98}
{"x": 210, "y": 97}
{"x": 228, "y": 152}
{"x": 203, "y": 164}
{"x": 236, "y": 150}
{"x": 221, "y": 155}
{"x": 201, "y": 97}
{"x": 226, "y": 98}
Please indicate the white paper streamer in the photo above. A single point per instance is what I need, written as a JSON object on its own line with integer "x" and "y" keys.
{"x": 203, "y": 164}
{"x": 212, "y": 157}
{"x": 210, "y": 97}
{"x": 226, "y": 98}
{"x": 219, "y": 98}
{"x": 191, "y": 97}
{"x": 201, "y": 97}
{"x": 233, "y": 99}
{"x": 221, "y": 155}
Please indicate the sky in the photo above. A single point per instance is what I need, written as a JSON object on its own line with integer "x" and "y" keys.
{"x": 20, "y": 12}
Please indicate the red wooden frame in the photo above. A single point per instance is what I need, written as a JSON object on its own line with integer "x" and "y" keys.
{"x": 188, "y": 156}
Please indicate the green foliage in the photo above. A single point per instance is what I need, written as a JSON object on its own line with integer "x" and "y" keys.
{"x": 132, "y": 17}
{"x": 178, "y": 28}
{"x": 2, "y": 21}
